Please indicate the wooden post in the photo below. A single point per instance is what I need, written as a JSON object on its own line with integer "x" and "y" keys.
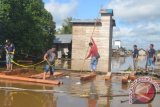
{"x": 108, "y": 76}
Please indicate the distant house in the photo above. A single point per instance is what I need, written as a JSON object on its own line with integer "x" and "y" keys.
{"x": 63, "y": 44}
{"x": 142, "y": 52}
{"x": 117, "y": 43}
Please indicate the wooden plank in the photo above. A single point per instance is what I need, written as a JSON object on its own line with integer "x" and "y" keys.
{"x": 108, "y": 76}
{"x": 40, "y": 75}
{"x": 87, "y": 77}
{"x": 25, "y": 83}
{"x": 25, "y": 79}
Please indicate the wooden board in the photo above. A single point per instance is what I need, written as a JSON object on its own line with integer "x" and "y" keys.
{"x": 87, "y": 77}
{"x": 40, "y": 76}
{"x": 25, "y": 83}
{"x": 25, "y": 79}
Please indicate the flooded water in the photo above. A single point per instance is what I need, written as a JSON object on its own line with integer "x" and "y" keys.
{"x": 119, "y": 64}
{"x": 72, "y": 93}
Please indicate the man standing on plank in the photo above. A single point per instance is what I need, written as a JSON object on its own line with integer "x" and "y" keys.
{"x": 10, "y": 49}
{"x": 151, "y": 57}
{"x": 135, "y": 57}
{"x": 93, "y": 53}
{"x": 49, "y": 56}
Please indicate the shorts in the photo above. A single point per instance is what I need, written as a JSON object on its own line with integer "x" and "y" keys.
{"x": 49, "y": 68}
{"x": 93, "y": 63}
{"x": 8, "y": 58}
{"x": 151, "y": 63}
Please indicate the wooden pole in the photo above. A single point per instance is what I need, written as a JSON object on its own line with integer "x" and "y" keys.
{"x": 25, "y": 79}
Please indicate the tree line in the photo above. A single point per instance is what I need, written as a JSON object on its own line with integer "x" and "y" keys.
{"x": 27, "y": 24}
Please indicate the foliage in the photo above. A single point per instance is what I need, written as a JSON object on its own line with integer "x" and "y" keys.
{"x": 66, "y": 27}
{"x": 27, "y": 24}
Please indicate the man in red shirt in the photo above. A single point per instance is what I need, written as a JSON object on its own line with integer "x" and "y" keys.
{"x": 93, "y": 53}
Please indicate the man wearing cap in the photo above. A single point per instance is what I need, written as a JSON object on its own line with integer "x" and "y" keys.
{"x": 135, "y": 57}
{"x": 10, "y": 50}
{"x": 49, "y": 57}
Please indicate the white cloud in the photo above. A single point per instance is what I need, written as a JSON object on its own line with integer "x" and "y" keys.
{"x": 136, "y": 10}
{"x": 60, "y": 10}
{"x": 137, "y": 18}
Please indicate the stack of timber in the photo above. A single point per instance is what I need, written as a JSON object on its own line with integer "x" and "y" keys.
{"x": 26, "y": 79}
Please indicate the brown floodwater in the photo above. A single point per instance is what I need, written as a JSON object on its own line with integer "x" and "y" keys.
{"x": 72, "y": 93}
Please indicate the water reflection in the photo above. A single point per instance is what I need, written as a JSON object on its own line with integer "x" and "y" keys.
{"x": 118, "y": 64}
{"x": 93, "y": 96}
{"x": 123, "y": 63}
{"x": 10, "y": 98}
{"x": 73, "y": 96}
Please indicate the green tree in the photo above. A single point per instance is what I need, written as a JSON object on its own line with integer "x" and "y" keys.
{"x": 66, "y": 26}
{"x": 28, "y": 24}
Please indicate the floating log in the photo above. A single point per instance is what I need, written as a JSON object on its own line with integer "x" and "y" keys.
{"x": 87, "y": 77}
{"x": 25, "y": 79}
{"x": 108, "y": 76}
{"x": 40, "y": 76}
{"x": 125, "y": 79}
{"x": 25, "y": 83}
{"x": 132, "y": 76}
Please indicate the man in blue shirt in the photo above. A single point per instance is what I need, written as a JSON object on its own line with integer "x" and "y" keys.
{"x": 135, "y": 57}
{"x": 10, "y": 49}
{"x": 151, "y": 57}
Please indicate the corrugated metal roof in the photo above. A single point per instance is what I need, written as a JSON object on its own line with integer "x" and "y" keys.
{"x": 107, "y": 11}
{"x": 85, "y": 20}
{"x": 63, "y": 38}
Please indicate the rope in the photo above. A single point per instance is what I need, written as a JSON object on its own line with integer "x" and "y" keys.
{"x": 28, "y": 66}
{"x": 52, "y": 65}
{"x": 88, "y": 46}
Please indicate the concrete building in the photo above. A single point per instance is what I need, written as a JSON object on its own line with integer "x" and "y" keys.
{"x": 101, "y": 30}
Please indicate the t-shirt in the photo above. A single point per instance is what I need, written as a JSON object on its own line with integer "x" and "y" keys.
{"x": 151, "y": 52}
{"x": 9, "y": 47}
{"x": 93, "y": 51}
{"x": 135, "y": 53}
{"x": 51, "y": 56}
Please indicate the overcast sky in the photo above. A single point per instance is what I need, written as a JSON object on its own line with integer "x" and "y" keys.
{"x": 137, "y": 21}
